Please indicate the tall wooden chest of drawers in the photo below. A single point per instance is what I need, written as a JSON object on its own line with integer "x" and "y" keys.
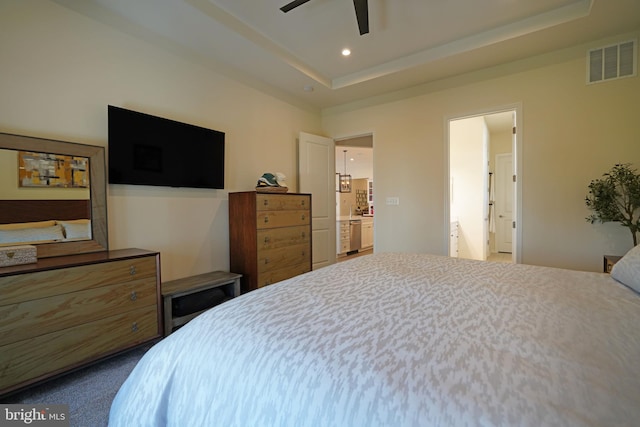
{"x": 269, "y": 236}
{"x": 64, "y": 312}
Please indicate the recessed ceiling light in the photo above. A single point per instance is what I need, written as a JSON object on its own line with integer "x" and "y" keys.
{"x": 346, "y": 52}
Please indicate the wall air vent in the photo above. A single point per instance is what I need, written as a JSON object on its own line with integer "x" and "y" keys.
{"x": 612, "y": 62}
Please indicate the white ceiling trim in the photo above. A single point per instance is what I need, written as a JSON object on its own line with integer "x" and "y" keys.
{"x": 539, "y": 22}
{"x": 296, "y": 61}
{"x": 576, "y": 10}
{"x": 223, "y": 17}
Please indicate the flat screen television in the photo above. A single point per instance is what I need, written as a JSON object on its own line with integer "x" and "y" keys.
{"x": 149, "y": 150}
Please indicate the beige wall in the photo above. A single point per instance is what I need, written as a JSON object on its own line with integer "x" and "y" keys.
{"x": 571, "y": 134}
{"x": 468, "y": 159}
{"x": 59, "y": 72}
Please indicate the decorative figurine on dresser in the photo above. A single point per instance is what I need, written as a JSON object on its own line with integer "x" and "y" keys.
{"x": 269, "y": 235}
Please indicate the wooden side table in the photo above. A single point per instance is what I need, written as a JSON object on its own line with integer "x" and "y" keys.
{"x": 196, "y": 287}
{"x": 609, "y": 261}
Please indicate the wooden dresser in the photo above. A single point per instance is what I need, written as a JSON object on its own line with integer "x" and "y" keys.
{"x": 269, "y": 236}
{"x": 64, "y": 312}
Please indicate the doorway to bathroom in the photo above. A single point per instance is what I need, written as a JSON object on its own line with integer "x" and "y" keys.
{"x": 483, "y": 195}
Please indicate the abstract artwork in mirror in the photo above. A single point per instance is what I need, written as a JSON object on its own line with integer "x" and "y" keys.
{"x": 52, "y": 170}
{"x": 63, "y": 215}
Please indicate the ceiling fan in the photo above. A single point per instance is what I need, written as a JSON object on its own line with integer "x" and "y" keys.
{"x": 362, "y": 12}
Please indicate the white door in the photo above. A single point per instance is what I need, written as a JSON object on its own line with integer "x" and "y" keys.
{"x": 316, "y": 175}
{"x": 504, "y": 202}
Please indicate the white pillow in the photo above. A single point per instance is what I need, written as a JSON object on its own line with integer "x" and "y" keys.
{"x": 627, "y": 270}
{"x": 32, "y": 235}
{"x": 74, "y": 230}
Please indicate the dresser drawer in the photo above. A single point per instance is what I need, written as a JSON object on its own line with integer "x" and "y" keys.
{"x": 270, "y": 202}
{"x": 275, "y": 219}
{"x": 32, "y": 318}
{"x": 279, "y": 237}
{"x": 272, "y": 259}
{"x": 271, "y": 277}
{"x": 31, "y": 359}
{"x": 25, "y": 287}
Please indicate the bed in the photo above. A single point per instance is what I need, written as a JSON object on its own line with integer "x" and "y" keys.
{"x": 44, "y": 221}
{"x": 402, "y": 340}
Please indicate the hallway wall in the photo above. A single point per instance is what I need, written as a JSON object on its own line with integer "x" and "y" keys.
{"x": 468, "y": 145}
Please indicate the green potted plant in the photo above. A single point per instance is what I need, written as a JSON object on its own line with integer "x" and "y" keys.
{"x": 616, "y": 198}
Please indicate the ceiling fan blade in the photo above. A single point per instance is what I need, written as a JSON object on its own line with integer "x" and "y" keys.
{"x": 287, "y": 7}
{"x": 362, "y": 14}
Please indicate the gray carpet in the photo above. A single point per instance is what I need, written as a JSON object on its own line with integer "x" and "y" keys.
{"x": 88, "y": 391}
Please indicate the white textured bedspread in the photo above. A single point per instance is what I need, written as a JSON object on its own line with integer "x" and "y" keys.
{"x": 401, "y": 340}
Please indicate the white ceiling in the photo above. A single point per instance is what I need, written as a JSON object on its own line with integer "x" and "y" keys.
{"x": 410, "y": 41}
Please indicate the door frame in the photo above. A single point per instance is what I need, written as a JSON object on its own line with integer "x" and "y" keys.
{"x": 517, "y": 149}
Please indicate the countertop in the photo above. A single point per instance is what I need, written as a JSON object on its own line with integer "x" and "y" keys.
{"x": 355, "y": 217}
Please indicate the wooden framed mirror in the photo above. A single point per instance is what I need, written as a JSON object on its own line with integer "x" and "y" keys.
{"x": 15, "y": 211}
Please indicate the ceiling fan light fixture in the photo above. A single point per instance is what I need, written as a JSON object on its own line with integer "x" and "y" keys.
{"x": 362, "y": 15}
{"x": 361, "y": 8}
{"x": 289, "y": 6}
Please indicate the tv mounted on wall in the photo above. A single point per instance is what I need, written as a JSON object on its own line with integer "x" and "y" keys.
{"x": 149, "y": 150}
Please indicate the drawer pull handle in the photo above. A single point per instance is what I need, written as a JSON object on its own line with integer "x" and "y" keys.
{"x": 303, "y": 252}
{"x": 266, "y": 202}
{"x": 303, "y": 234}
{"x": 266, "y": 261}
{"x": 303, "y": 217}
{"x": 267, "y": 239}
{"x": 132, "y": 270}
{"x": 266, "y": 219}
{"x": 303, "y": 203}
{"x": 134, "y": 296}
{"x": 134, "y": 327}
